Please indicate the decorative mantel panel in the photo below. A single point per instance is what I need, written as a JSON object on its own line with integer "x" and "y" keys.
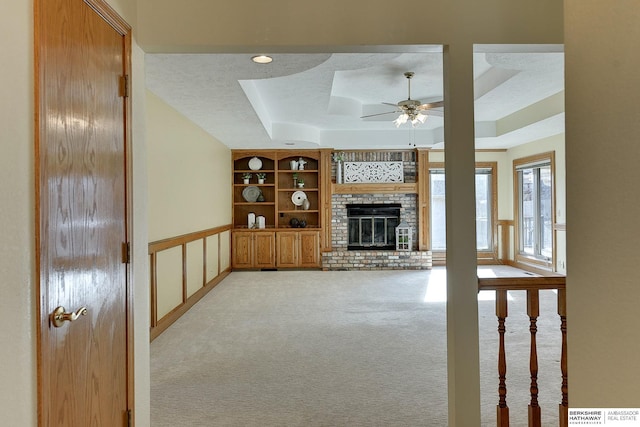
{"x": 373, "y": 172}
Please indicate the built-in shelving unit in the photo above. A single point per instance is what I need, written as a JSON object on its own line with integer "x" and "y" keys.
{"x": 275, "y": 204}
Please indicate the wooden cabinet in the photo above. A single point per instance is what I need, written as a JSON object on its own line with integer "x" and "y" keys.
{"x": 298, "y": 249}
{"x": 287, "y": 246}
{"x": 309, "y": 248}
{"x": 253, "y": 249}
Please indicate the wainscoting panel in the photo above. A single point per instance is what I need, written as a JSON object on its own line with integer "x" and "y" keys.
{"x": 195, "y": 266}
{"x": 183, "y": 269}
{"x": 213, "y": 256}
{"x": 169, "y": 280}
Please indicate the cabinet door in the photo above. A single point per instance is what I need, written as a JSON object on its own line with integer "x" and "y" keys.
{"x": 309, "y": 249}
{"x": 242, "y": 250}
{"x": 264, "y": 249}
{"x": 287, "y": 248}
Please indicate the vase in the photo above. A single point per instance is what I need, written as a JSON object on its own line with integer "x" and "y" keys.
{"x": 260, "y": 181}
{"x": 339, "y": 173}
{"x": 246, "y": 180}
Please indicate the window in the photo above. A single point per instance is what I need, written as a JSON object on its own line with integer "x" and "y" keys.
{"x": 485, "y": 207}
{"x": 484, "y": 193}
{"x": 535, "y": 207}
{"x": 438, "y": 222}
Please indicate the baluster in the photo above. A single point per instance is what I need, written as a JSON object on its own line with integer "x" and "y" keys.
{"x": 533, "y": 311}
{"x": 501, "y": 313}
{"x": 562, "y": 311}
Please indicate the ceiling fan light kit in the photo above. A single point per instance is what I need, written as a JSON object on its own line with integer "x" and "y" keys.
{"x": 410, "y": 110}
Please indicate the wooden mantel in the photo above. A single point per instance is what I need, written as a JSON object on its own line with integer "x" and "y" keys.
{"x": 375, "y": 188}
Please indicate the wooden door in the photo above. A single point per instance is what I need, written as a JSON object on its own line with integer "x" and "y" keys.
{"x": 309, "y": 249}
{"x": 85, "y": 366}
{"x": 287, "y": 248}
{"x": 264, "y": 249}
{"x": 242, "y": 249}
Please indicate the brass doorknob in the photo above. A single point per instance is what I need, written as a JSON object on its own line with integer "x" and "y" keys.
{"x": 59, "y": 315}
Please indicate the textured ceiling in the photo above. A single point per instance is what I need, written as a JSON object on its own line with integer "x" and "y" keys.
{"x": 317, "y": 100}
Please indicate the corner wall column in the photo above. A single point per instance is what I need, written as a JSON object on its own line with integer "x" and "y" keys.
{"x": 462, "y": 282}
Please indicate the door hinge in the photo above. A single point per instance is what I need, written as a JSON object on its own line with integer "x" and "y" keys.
{"x": 124, "y": 86}
{"x": 126, "y": 253}
{"x": 129, "y": 418}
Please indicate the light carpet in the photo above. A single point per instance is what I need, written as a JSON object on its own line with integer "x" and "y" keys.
{"x": 352, "y": 348}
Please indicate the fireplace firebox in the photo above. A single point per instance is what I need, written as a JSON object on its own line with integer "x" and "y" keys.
{"x": 372, "y": 226}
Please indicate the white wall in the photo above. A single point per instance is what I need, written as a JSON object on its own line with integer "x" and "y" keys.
{"x": 17, "y": 270}
{"x": 189, "y": 189}
{"x": 189, "y": 174}
{"x": 603, "y": 203}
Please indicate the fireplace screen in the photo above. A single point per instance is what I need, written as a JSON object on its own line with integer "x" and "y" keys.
{"x": 372, "y": 226}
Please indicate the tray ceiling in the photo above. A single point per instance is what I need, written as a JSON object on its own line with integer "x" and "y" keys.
{"x": 317, "y": 100}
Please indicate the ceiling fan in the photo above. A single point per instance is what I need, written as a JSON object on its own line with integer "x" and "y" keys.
{"x": 411, "y": 110}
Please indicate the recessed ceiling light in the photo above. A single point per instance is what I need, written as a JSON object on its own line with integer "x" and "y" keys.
{"x": 289, "y": 143}
{"x": 262, "y": 59}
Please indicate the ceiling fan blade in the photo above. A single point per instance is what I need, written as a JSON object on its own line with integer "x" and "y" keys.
{"x": 431, "y": 105}
{"x": 388, "y": 103}
{"x": 379, "y": 114}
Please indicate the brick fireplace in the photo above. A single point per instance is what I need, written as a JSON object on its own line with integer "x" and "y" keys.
{"x": 341, "y": 258}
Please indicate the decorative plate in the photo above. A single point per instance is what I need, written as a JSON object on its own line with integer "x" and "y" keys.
{"x": 251, "y": 193}
{"x": 255, "y": 164}
{"x": 298, "y": 198}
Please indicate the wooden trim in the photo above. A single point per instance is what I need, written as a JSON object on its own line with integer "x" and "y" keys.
{"x": 185, "y": 295}
{"x": 521, "y": 283}
{"x": 110, "y": 16}
{"x": 326, "y": 211}
{"x": 505, "y": 238}
{"x": 275, "y": 155}
{"x": 160, "y": 245}
{"x": 533, "y": 268}
{"x": 366, "y": 188}
{"x": 153, "y": 274}
{"x": 170, "y": 318}
{"x": 424, "y": 228}
{"x": 487, "y": 257}
{"x": 560, "y": 227}
{"x": 204, "y": 261}
{"x": 219, "y": 255}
